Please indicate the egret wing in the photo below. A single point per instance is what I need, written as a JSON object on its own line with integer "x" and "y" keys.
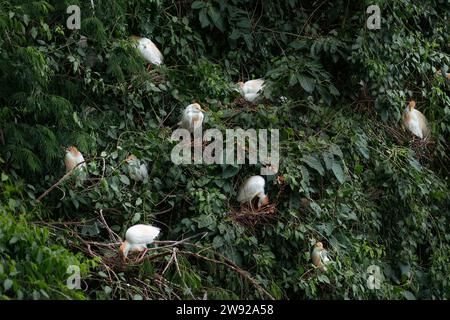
{"x": 140, "y": 234}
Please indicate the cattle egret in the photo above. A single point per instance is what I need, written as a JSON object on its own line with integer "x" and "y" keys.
{"x": 444, "y": 72}
{"x": 251, "y": 89}
{"x": 253, "y": 187}
{"x": 320, "y": 257}
{"x": 136, "y": 239}
{"x": 148, "y": 50}
{"x": 138, "y": 171}
{"x": 415, "y": 121}
{"x": 73, "y": 158}
{"x": 192, "y": 118}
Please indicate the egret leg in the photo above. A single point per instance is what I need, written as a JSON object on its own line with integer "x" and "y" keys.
{"x": 251, "y": 206}
{"x": 149, "y": 67}
{"x": 142, "y": 255}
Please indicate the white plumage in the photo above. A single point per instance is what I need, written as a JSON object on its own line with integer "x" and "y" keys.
{"x": 149, "y": 51}
{"x": 320, "y": 257}
{"x": 192, "y": 117}
{"x": 137, "y": 237}
{"x": 137, "y": 170}
{"x": 253, "y": 187}
{"x": 251, "y": 89}
{"x": 73, "y": 158}
{"x": 415, "y": 121}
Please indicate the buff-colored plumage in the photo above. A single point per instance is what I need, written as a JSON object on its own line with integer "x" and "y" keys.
{"x": 415, "y": 121}
{"x": 137, "y": 238}
{"x": 73, "y": 158}
{"x": 148, "y": 50}
{"x": 137, "y": 170}
{"x": 251, "y": 188}
{"x": 319, "y": 257}
{"x": 444, "y": 73}
{"x": 251, "y": 90}
{"x": 192, "y": 118}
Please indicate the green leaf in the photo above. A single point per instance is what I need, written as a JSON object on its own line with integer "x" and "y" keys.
{"x": 359, "y": 168}
{"x": 204, "y": 21}
{"x": 198, "y": 5}
{"x": 7, "y": 284}
{"x": 306, "y": 83}
{"x": 314, "y": 163}
{"x": 124, "y": 179}
{"x": 338, "y": 173}
{"x": 136, "y": 217}
{"x": 328, "y": 159}
{"x": 216, "y": 18}
{"x": 230, "y": 171}
{"x": 409, "y": 295}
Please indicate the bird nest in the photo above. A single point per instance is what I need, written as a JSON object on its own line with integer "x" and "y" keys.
{"x": 240, "y": 101}
{"x": 423, "y": 148}
{"x": 251, "y": 216}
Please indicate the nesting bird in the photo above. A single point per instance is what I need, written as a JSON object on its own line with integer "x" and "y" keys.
{"x": 137, "y": 170}
{"x": 319, "y": 257}
{"x": 73, "y": 158}
{"x": 251, "y": 89}
{"x": 192, "y": 118}
{"x": 415, "y": 121}
{"x": 253, "y": 187}
{"x": 137, "y": 238}
{"x": 148, "y": 50}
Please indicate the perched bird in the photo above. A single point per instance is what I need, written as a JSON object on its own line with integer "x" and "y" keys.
{"x": 253, "y": 187}
{"x": 251, "y": 89}
{"x": 138, "y": 171}
{"x": 415, "y": 121}
{"x": 73, "y": 158}
{"x": 136, "y": 239}
{"x": 148, "y": 50}
{"x": 320, "y": 257}
{"x": 445, "y": 73}
{"x": 192, "y": 117}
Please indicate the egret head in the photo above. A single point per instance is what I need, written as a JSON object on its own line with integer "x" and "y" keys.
{"x": 197, "y": 106}
{"x": 263, "y": 200}
{"x": 123, "y": 249}
{"x": 319, "y": 245}
{"x": 131, "y": 158}
{"x": 73, "y": 150}
{"x": 411, "y": 105}
{"x": 241, "y": 84}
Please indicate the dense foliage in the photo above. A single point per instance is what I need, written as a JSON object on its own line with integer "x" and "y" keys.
{"x": 353, "y": 177}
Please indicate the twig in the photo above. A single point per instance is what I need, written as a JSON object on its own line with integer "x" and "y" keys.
{"x": 112, "y": 234}
{"x": 232, "y": 266}
{"x": 58, "y": 183}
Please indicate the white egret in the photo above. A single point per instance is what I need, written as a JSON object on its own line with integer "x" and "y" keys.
{"x": 148, "y": 50}
{"x": 415, "y": 121}
{"x": 253, "y": 187}
{"x": 320, "y": 257}
{"x": 137, "y": 170}
{"x": 137, "y": 238}
{"x": 251, "y": 89}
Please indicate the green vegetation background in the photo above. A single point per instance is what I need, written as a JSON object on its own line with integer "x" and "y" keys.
{"x": 353, "y": 178}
